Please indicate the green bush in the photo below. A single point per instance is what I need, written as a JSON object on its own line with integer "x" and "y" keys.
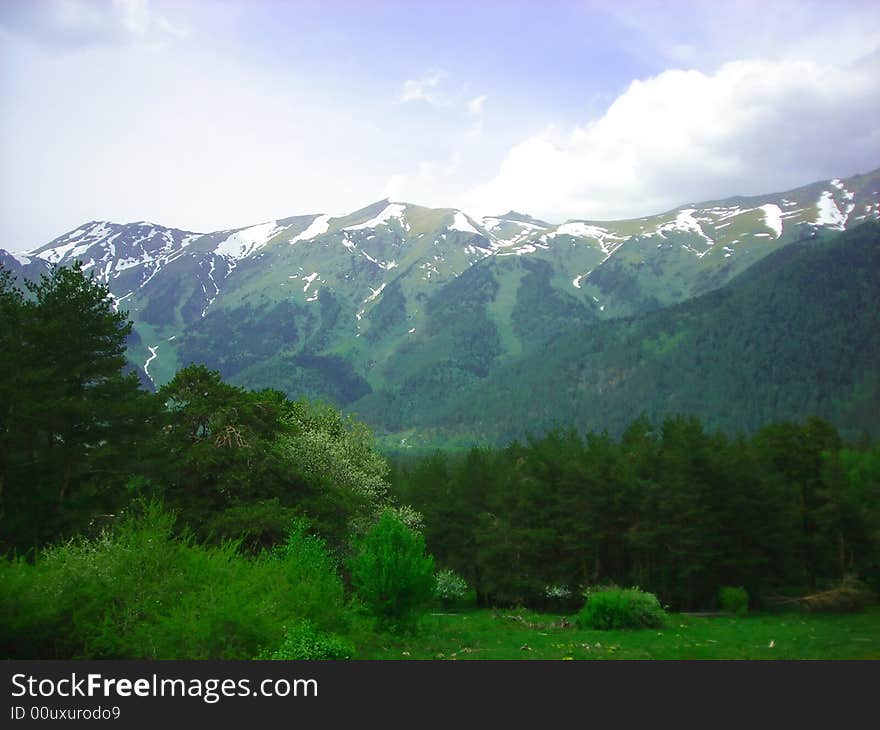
{"x": 392, "y": 574}
{"x": 137, "y": 591}
{"x": 620, "y": 608}
{"x": 450, "y": 589}
{"x": 303, "y": 642}
{"x": 734, "y": 600}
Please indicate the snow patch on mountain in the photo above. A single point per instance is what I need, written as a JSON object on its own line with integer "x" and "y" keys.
{"x": 773, "y": 218}
{"x": 726, "y": 213}
{"x": 149, "y": 360}
{"x": 490, "y": 223}
{"x": 309, "y": 279}
{"x": 157, "y": 265}
{"x": 21, "y": 258}
{"x": 316, "y": 228}
{"x": 685, "y": 222}
{"x": 608, "y": 241}
{"x": 75, "y": 244}
{"x": 577, "y": 229}
{"x": 349, "y": 244}
{"x": 527, "y": 248}
{"x": 847, "y": 195}
{"x": 130, "y": 263}
{"x": 828, "y": 212}
{"x": 460, "y": 222}
{"x": 370, "y": 259}
{"x": 392, "y": 211}
{"x": 517, "y": 231}
{"x": 374, "y": 293}
{"x": 244, "y": 242}
{"x": 212, "y": 297}
{"x": 518, "y": 251}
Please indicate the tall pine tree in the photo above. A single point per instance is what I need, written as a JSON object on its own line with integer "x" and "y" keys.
{"x": 70, "y": 417}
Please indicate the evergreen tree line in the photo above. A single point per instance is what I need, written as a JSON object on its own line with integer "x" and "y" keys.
{"x": 675, "y": 509}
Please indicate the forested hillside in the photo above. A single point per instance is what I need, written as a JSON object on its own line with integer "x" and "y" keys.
{"x": 797, "y": 334}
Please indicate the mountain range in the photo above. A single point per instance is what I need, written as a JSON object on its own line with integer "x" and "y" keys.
{"x": 434, "y": 325}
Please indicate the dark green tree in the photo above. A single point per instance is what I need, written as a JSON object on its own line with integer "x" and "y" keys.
{"x": 70, "y": 418}
{"x": 392, "y": 573}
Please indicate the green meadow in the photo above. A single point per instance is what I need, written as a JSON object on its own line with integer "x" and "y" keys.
{"x": 488, "y": 634}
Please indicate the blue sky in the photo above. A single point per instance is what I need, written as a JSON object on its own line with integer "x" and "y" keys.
{"x": 211, "y": 114}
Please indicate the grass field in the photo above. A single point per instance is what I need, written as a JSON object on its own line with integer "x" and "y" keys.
{"x": 486, "y": 634}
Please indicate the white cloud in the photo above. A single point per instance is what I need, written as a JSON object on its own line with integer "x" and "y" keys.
{"x": 752, "y": 126}
{"x": 423, "y": 89}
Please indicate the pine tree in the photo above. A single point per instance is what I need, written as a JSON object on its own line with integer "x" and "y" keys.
{"x": 70, "y": 416}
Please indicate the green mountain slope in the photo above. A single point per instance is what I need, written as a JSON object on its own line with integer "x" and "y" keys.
{"x": 797, "y": 334}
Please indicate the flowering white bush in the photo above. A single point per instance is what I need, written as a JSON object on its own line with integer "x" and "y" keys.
{"x": 330, "y": 449}
{"x": 450, "y": 586}
{"x": 558, "y": 592}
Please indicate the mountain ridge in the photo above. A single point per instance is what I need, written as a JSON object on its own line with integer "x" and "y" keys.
{"x": 397, "y": 297}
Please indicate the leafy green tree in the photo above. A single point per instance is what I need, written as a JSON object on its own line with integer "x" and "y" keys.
{"x": 213, "y": 451}
{"x": 336, "y": 456}
{"x": 859, "y": 488}
{"x": 238, "y": 463}
{"x": 392, "y": 573}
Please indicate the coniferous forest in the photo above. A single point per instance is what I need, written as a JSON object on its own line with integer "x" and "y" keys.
{"x": 208, "y": 521}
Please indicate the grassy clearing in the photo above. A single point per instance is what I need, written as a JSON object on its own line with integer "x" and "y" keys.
{"x": 484, "y": 634}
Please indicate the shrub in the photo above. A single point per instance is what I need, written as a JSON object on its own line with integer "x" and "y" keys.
{"x": 391, "y": 572}
{"x": 137, "y": 592}
{"x": 303, "y": 642}
{"x": 620, "y": 608}
{"x": 734, "y": 600}
{"x": 450, "y": 588}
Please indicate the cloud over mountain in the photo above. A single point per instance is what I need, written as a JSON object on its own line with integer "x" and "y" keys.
{"x": 685, "y": 135}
